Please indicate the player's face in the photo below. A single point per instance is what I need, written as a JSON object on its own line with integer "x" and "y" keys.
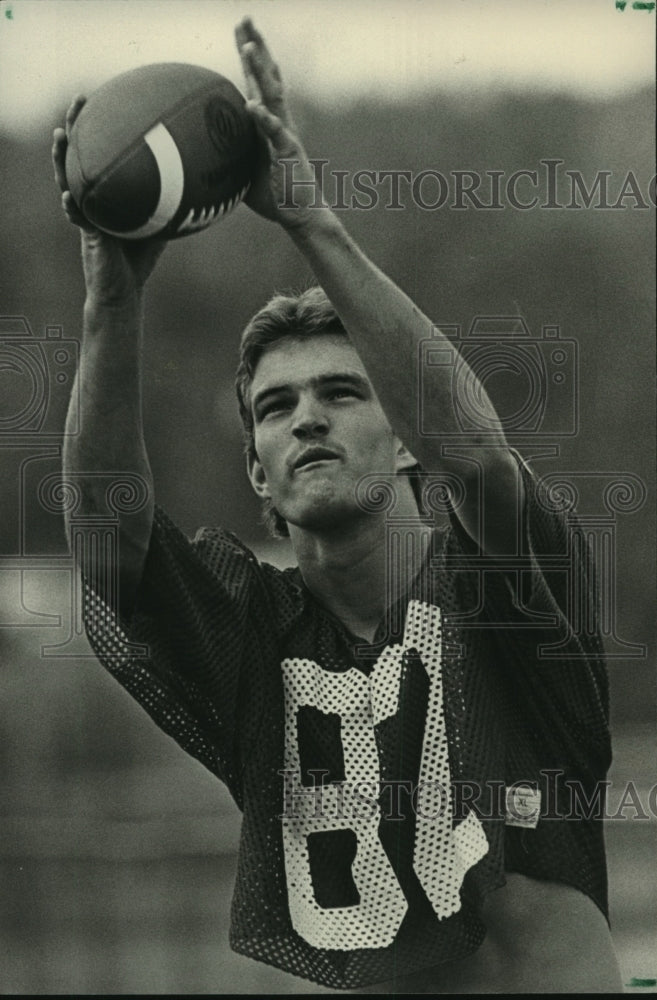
{"x": 319, "y": 428}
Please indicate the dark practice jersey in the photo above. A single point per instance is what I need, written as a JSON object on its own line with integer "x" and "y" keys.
{"x": 386, "y": 787}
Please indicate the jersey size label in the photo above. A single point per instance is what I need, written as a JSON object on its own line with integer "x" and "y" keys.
{"x": 397, "y": 710}
{"x": 523, "y": 806}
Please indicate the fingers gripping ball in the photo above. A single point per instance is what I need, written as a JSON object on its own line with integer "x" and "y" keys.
{"x": 161, "y": 150}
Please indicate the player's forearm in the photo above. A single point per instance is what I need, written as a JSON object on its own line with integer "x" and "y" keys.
{"x": 387, "y": 329}
{"x": 110, "y": 444}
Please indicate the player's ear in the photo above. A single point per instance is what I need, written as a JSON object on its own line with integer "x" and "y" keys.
{"x": 403, "y": 458}
{"x": 257, "y": 476}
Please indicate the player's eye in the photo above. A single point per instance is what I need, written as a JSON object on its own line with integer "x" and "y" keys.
{"x": 273, "y": 406}
{"x": 343, "y": 392}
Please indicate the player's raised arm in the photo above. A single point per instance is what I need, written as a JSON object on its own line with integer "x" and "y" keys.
{"x": 110, "y": 441}
{"x": 384, "y": 325}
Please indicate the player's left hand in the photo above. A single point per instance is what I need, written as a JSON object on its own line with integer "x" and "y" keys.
{"x": 272, "y": 193}
{"x": 115, "y": 270}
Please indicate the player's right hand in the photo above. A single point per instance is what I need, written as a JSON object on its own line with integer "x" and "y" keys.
{"x": 115, "y": 270}
{"x": 270, "y": 194}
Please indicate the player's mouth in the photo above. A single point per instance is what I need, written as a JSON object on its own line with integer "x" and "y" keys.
{"x": 312, "y": 457}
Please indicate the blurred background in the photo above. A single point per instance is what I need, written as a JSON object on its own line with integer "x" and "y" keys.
{"x": 117, "y": 853}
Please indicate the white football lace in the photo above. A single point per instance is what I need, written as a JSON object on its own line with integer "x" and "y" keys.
{"x": 208, "y": 215}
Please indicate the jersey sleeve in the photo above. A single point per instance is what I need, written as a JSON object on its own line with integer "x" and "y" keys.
{"x": 542, "y": 609}
{"x": 181, "y": 653}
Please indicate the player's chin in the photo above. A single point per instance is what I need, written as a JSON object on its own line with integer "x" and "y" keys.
{"x": 323, "y": 507}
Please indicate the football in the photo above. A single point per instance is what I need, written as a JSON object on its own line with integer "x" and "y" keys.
{"x": 162, "y": 150}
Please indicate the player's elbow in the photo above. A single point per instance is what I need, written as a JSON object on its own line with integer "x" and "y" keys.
{"x": 490, "y": 501}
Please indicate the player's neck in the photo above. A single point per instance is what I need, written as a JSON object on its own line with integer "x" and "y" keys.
{"x": 345, "y": 568}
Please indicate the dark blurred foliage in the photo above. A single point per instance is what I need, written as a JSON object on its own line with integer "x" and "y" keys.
{"x": 588, "y": 271}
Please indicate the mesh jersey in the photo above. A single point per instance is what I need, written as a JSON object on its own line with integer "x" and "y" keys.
{"x": 345, "y": 876}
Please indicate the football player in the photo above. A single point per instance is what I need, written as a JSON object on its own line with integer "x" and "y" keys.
{"x": 381, "y": 714}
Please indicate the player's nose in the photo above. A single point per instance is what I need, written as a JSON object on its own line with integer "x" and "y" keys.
{"x": 310, "y": 418}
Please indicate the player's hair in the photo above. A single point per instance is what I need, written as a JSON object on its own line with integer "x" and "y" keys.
{"x": 306, "y": 314}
